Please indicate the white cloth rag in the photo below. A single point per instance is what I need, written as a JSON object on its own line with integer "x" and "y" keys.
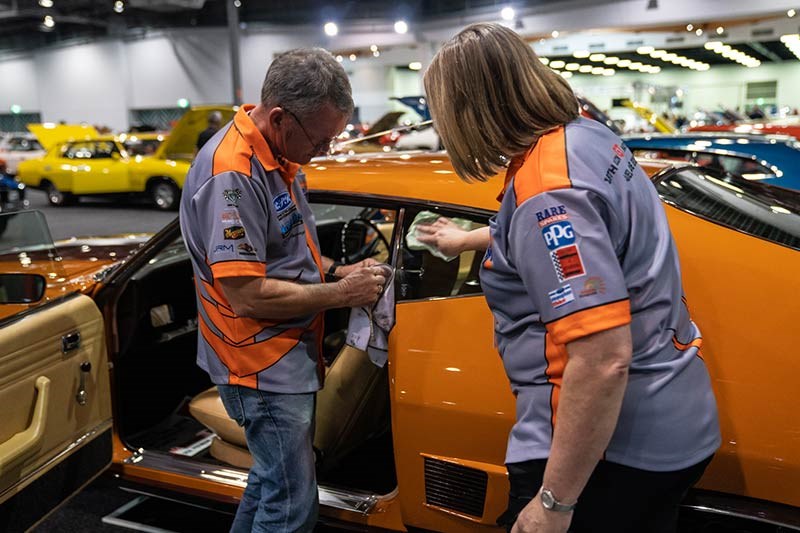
{"x": 369, "y": 328}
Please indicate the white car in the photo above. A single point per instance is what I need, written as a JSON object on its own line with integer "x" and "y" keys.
{"x": 18, "y": 147}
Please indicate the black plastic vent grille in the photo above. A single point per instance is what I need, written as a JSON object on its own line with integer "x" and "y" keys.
{"x": 455, "y": 487}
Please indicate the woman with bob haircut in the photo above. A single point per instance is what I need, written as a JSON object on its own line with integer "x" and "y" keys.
{"x": 616, "y": 419}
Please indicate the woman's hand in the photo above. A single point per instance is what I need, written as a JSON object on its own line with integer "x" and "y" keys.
{"x": 534, "y": 518}
{"x": 444, "y": 235}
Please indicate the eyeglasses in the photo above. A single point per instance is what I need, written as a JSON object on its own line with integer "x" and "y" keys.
{"x": 325, "y": 144}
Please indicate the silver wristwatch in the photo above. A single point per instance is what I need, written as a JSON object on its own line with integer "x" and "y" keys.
{"x": 550, "y": 503}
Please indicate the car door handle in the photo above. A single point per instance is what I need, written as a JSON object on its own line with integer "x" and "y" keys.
{"x": 71, "y": 341}
{"x": 25, "y": 442}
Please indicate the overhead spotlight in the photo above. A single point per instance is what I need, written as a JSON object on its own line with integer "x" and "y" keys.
{"x": 401, "y": 27}
{"x": 331, "y": 29}
{"x": 720, "y": 30}
{"x": 585, "y": 69}
{"x": 580, "y": 54}
{"x": 557, "y": 64}
{"x": 609, "y": 72}
{"x": 572, "y": 66}
{"x": 611, "y": 60}
{"x": 353, "y": 57}
{"x": 376, "y": 53}
{"x": 49, "y": 3}
{"x": 713, "y": 45}
{"x": 791, "y": 13}
{"x": 598, "y": 71}
{"x": 119, "y": 6}
{"x": 507, "y": 13}
{"x": 689, "y": 27}
{"x": 544, "y": 60}
{"x": 698, "y": 32}
{"x": 48, "y": 21}
{"x": 624, "y": 63}
{"x": 566, "y": 75}
{"x": 597, "y": 57}
{"x": 373, "y": 48}
{"x": 658, "y": 53}
{"x": 339, "y": 59}
{"x": 415, "y": 65}
{"x": 644, "y": 49}
{"x": 554, "y": 33}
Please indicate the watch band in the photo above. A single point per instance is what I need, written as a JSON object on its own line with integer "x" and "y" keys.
{"x": 333, "y": 267}
{"x": 550, "y": 503}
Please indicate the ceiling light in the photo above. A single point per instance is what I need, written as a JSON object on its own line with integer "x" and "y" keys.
{"x": 689, "y": 27}
{"x": 339, "y": 59}
{"x": 376, "y": 53}
{"x": 658, "y": 53}
{"x": 353, "y": 57}
{"x": 585, "y": 69}
{"x": 669, "y": 56}
{"x": 791, "y": 13}
{"x": 720, "y": 30}
{"x": 635, "y": 65}
{"x": 507, "y": 13}
{"x": 119, "y": 6}
{"x": 49, "y": 3}
{"x": 713, "y": 45}
{"x": 698, "y": 32}
{"x": 609, "y": 72}
{"x": 544, "y": 60}
{"x": 580, "y": 54}
{"x": 16, "y": 109}
{"x": 415, "y": 65}
{"x": 623, "y": 63}
{"x": 644, "y": 49}
{"x": 557, "y": 64}
{"x": 554, "y": 34}
{"x": 331, "y": 29}
{"x": 597, "y": 71}
{"x": 597, "y": 57}
{"x": 572, "y": 66}
{"x": 401, "y": 27}
{"x": 373, "y": 48}
{"x": 48, "y": 21}
{"x": 611, "y": 60}
{"x": 183, "y": 103}
{"x": 566, "y": 74}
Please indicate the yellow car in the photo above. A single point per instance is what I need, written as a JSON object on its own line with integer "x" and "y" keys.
{"x": 81, "y": 163}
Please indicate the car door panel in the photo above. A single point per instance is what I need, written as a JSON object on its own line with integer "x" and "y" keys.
{"x": 47, "y": 435}
{"x": 452, "y": 409}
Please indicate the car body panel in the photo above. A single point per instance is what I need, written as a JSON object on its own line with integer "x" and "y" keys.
{"x": 779, "y": 155}
{"x": 181, "y": 143}
{"x": 18, "y": 147}
{"x": 650, "y": 116}
{"x": 787, "y": 126}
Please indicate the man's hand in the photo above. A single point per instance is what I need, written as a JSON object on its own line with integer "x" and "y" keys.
{"x": 444, "y": 235}
{"x": 343, "y": 270}
{"x": 536, "y": 519}
{"x": 362, "y": 286}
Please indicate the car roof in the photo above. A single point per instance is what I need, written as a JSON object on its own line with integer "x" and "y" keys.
{"x": 425, "y": 176}
{"x": 712, "y": 136}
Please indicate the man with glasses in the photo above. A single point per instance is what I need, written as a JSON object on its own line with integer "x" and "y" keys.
{"x": 260, "y": 278}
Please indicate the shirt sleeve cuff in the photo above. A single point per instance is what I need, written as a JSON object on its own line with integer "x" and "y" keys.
{"x": 588, "y": 321}
{"x": 233, "y": 269}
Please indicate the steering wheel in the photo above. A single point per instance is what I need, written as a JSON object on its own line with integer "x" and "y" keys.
{"x": 365, "y": 251}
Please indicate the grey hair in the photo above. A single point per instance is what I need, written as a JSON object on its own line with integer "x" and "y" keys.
{"x": 215, "y": 117}
{"x": 304, "y": 80}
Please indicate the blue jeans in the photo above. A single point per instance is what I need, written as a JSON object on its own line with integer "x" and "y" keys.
{"x": 281, "y": 493}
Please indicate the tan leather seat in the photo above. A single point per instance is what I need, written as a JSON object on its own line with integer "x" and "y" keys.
{"x": 351, "y": 407}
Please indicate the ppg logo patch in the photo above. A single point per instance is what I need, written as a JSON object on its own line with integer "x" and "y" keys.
{"x": 282, "y": 201}
{"x": 558, "y": 234}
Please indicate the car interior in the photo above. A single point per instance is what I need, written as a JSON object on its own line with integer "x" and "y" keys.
{"x": 167, "y": 404}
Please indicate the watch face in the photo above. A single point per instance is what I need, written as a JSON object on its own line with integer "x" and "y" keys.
{"x": 547, "y": 499}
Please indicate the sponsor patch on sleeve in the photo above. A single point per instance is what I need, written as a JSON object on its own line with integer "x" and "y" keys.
{"x": 561, "y": 296}
{"x": 230, "y": 216}
{"x": 567, "y": 262}
{"x": 233, "y": 233}
{"x": 593, "y": 285}
{"x": 223, "y": 248}
{"x": 552, "y": 214}
{"x": 246, "y": 249}
{"x": 232, "y": 196}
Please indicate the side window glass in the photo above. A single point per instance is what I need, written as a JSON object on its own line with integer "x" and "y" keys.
{"x": 79, "y": 151}
{"x": 746, "y": 168}
{"x": 423, "y": 274}
{"x": 349, "y": 233}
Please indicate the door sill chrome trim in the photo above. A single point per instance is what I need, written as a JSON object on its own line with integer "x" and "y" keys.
{"x": 347, "y": 500}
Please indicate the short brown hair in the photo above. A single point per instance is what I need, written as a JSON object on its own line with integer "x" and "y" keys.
{"x": 490, "y": 97}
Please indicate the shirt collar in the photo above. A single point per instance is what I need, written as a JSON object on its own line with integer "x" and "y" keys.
{"x": 251, "y": 135}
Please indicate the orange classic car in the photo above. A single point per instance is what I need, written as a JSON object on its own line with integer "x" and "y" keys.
{"x": 420, "y": 443}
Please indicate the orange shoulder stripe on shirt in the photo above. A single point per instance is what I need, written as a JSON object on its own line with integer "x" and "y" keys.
{"x": 588, "y": 321}
{"x": 545, "y": 169}
{"x": 232, "y": 154}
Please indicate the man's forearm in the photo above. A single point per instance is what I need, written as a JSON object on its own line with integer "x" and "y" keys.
{"x": 278, "y": 299}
